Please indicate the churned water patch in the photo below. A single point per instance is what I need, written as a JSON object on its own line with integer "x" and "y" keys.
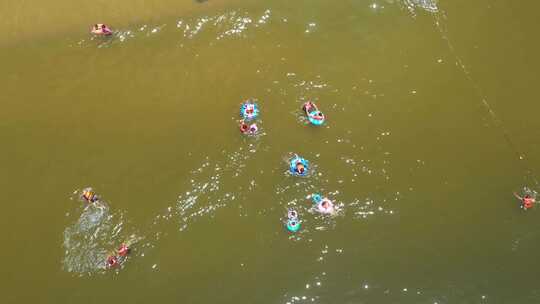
{"x": 96, "y": 234}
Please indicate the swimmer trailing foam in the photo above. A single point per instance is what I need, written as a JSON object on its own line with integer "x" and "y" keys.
{"x": 89, "y": 195}
{"x": 322, "y": 204}
{"x": 101, "y": 29}
{"x": 314, "y": 116}
{"x": 119, "y": 257}
{"x": 299, "y": 166}
{"x": 249, "y": 110}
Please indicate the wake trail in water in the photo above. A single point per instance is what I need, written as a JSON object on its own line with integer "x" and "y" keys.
{"x": 439, "y": 18}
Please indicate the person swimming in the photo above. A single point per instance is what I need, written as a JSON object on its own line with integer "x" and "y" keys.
{"x": 248, "y": 129}
{"x": 315, "y": 116}
{"x": 244, "y": 128}
{"x": 292, "y": 214}
{"x": 300, "y": 168}
{"x": 326, "y": 206}
{"x": 112, "y": 261}
{"x": 527, "y": 201}
{"x": 308, "y": 107}
{"x": 101, "y": 29}
{"x": 123, "y": 250}
{"x": 89, "y": 195}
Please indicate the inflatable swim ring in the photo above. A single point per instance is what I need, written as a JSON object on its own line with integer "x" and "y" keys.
{"x": 316, "y": 119}
{"x": 294, "y": 161}
{"x": 315, "y": 116}
{"x": 316, "y": 198}
{"x": 293, "y": 225}
{"x": 249, "y": 110}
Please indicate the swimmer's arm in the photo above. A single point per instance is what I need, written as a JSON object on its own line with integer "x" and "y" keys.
{"x": 517, "y": 196}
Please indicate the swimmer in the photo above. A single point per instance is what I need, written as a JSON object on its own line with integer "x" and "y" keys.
{"x": 308, "y": 106}
{"x": 300, "y": 168}
{"x": 89, "y": 195}
{"x": 123, "y": 250}
{"x": 244, "y": 128}
{"x": 251, "y": 129}
{"x": 112, "y": 261}
{"x": 292, "y": 214}
{"x": 527, "y": 201}
{"x": 101, "y": 29}
{"x": 326, "y": 206}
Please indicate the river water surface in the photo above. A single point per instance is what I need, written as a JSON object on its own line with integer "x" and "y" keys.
{"x": 431, "y": 125}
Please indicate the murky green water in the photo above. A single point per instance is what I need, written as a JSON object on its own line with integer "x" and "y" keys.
{"x": 431, "y": 126}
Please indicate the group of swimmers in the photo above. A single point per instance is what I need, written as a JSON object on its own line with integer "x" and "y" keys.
{"x": 117, "y": 257}
{"x": 298, "y": 166}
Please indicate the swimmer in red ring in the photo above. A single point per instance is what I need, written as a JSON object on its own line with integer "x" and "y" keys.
{"x": 527, "y": 201}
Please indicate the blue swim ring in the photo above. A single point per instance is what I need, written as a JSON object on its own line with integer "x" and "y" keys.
{"x": 292, "y": 166}
{"x": 314, "y": 121}
{"x": 293, "y": 225}
{"x": 316, "y": 198}
{"x": 246, "y": 114}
